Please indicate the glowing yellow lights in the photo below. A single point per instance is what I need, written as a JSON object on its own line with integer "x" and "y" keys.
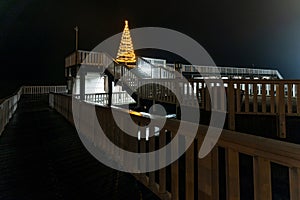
{"x": 126, "y": 51}
{"x": 135, "y": 113}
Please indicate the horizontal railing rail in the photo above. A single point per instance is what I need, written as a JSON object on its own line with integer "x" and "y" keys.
{"x": 118, "y": 98}
{"x": 202, "y": 178}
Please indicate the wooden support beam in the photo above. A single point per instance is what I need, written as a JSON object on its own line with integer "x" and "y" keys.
{"x": 189, "y": 172}
{"x": 294, "y": 183}
{"x": 272, "y": 98}
{"x": 162, "y": 157}
{"x": 207, "y": 99}
{"x": 231, "y": 106}
{"x": 143, "y": 163}
{"x": 232, "y": 175}
{"x": 175, "y": 173}
{"x": 246, "y": 97}
{"x": 82, "y": 85}
{"x": 289, "y": 98}
{"x": 238, "y": 98}
{"x": 298, "y": 98}
{"x": 262, "y": 179}
{"x": 263, "y": 98}
{"x": 255, "y": 93}
{"x": 151, "y": 161}
{"x": 208, "y": 176}
{"x": 110, "y": 89}
{"x": 280, "y": 102}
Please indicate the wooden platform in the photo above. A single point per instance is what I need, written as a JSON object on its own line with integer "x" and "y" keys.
{"x": 41, "y": 157}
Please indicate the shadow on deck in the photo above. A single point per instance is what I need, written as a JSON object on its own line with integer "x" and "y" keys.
{"x": 42, "y": 157}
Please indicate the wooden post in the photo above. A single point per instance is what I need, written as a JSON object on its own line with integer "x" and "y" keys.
{"x": 189, "y": 172}
{"x": 246, "y": 97}
{"x": 281, "y": 110}
{"x": 232, "y": 175}
{"x": 207, "y": 98}
{"x": 175, "y": 173}
{"x": 151, "y": 161}
{"x": 110, "y": 88}
{"x": 263, "y": 98}
{"x": 82, "y": 85}
{"x": 162, "y": 157}
{"x": 208, "y": 176}
{"x": 238, "y": 98}
{"x": 298, "y": 98}
{"x": 294, "y": 183}
{"x": 289, "y": 97}
{"x": 231, "y": 106}
{"x": 262, "y": 179}
{"x": 272, "y": 99}
{"x": 254, "y": 97}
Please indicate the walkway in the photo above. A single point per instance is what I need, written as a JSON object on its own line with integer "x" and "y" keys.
{"x": 41, "y": 157}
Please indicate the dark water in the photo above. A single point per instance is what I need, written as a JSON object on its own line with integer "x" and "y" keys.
{"x": 7, "y": 88}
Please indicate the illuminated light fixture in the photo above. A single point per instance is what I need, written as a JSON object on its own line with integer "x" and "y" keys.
{"x": 132, "y": 112}
{"x": 126, "y": 52}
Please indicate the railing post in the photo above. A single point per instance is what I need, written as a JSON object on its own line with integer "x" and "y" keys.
{"x": 207, "y": 97}
{"x": 232, "y": 175}
{"x": 162, "y": 156}
{"x": 208, "y": 175}
{"x": 110, "y": 88}
{"x": 262, "y": 178}
{"x": 151, "y": 159}
{"x": 175, "y": 172}
{"x": 280, "y": 102}
{"x": 294, "y": 183}
{"x": 82, "y": 85}
{"x": 298, "y": 98}
{"x": 231, "y": 106}
{"x": 189, "y": 172}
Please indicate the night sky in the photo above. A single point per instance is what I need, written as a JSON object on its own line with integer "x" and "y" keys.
{"x": 36, "y": 35}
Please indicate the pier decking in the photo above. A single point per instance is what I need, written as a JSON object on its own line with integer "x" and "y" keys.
{"x": 42, "y": 157}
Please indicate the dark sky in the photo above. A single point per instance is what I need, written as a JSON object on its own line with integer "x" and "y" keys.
{"x": 36, "y": 35}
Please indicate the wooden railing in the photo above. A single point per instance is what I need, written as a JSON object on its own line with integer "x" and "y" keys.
{"x": 118, "y": 98}
{"x": 7, "y": 108}
{"x": 260, "y": 97}
{"x": 232, "y": 71}
{"x": 202, "y": 178}
{"x": 89, "y": 58}
{"x": 9, "y": 105}
{"x": 101, "y": 59}
{"x": 155, "y": 71}
{"x": 43, "y": 89}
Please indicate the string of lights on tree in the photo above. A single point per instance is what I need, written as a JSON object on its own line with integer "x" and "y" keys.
{"x": 126, "y": 52}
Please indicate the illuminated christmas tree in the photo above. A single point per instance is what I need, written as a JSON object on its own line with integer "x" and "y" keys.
{"x": 126, "y": 52}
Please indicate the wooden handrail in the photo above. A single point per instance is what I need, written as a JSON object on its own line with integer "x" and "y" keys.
{"x": 7, "y": 108}
{"x": 262, "y": 150}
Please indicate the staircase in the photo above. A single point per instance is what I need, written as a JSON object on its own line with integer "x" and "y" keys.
{"x": 129, "y": 76}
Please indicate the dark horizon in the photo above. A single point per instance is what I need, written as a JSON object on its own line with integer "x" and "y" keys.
{"x": 36, "y": 36}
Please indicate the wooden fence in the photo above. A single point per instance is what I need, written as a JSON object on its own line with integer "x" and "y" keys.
{"x": 279, "y": 98}
{"x": 7, "y": 109}
{"x": 9, "y": 105}
{"x": 201, "y": 178}
{"x": 43, "y": 89}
